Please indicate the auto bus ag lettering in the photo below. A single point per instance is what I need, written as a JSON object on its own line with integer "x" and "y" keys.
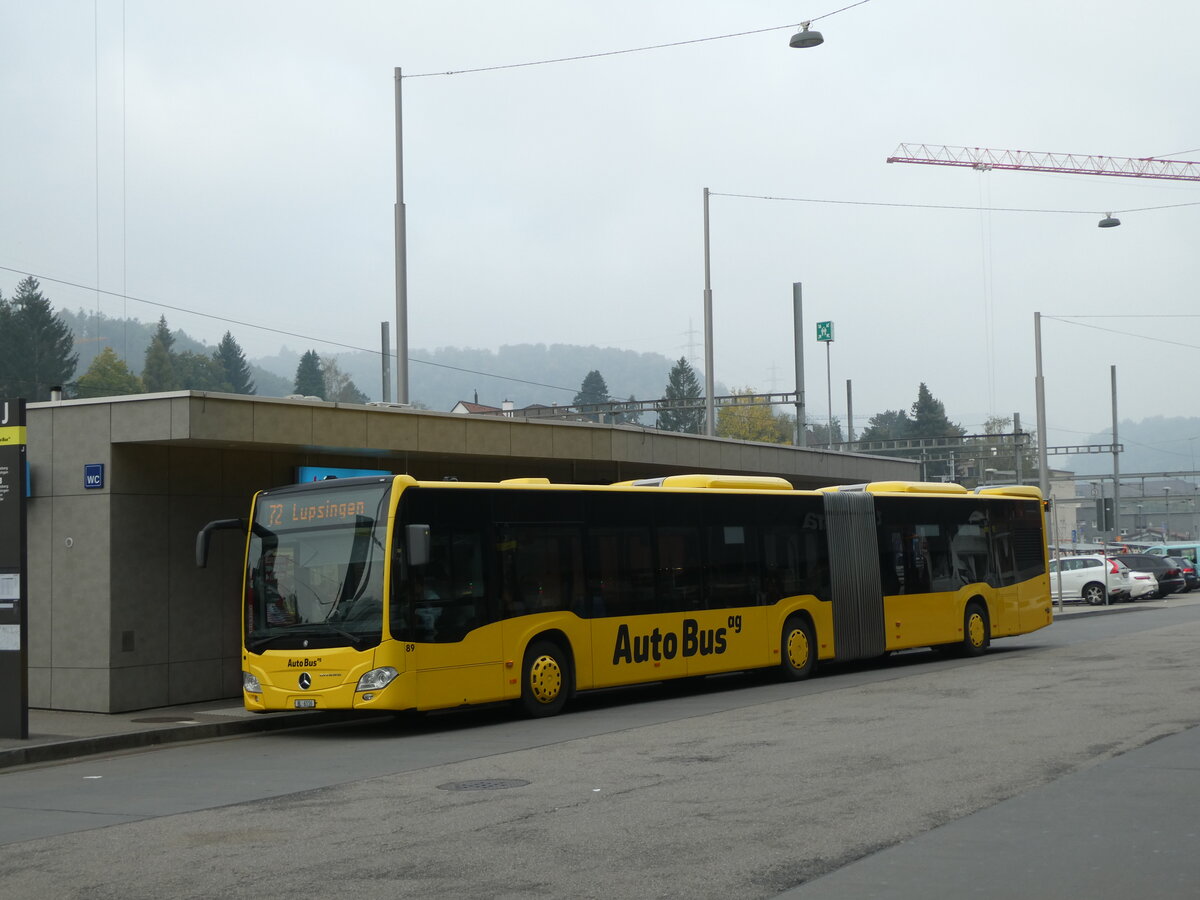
{"x": 692, "y": 641}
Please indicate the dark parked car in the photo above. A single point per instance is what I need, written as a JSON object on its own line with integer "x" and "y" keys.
{"x": 1190, "y": 575}
{"x": 1164, "y": 568}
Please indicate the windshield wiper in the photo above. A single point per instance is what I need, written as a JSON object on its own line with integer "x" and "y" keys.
{"x": 312, "y": 629}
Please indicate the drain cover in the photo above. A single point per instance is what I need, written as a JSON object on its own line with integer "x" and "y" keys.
{"x": 483, "y": 784}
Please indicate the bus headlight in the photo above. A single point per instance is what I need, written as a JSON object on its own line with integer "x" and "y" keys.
{"x": 250, "y": 684}
{"x": 377, "y": 679}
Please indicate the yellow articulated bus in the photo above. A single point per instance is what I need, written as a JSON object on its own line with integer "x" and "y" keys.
{"x": 388, "y": 593}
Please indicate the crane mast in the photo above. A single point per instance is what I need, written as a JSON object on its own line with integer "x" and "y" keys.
{"x": 984, "y": 159}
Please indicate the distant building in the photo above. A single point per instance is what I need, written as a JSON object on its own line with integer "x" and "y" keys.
{"x": 533, "y": 411}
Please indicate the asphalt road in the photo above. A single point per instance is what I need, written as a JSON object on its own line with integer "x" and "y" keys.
{"x": 731, "y": 788}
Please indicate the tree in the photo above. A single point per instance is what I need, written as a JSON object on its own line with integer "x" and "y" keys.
{"x": 234, "y": 368}
{"x": 309, "y": 380}
{"x": 628, "y": 414}
{"x": 929, "y": 417}
{"x": 108, "y": 376}
{"x": 1011, "y": 457}
{"x": 158, "y": 372}
{"x": 198, "y": 372}
{"x": 747, "y": 422}
{"x": 684, "y": 392}
{"x": 36, "y": 345}
{"x": 889, "y": 425}
{"x": 593, "y": 390}
{"x": 339, "y": 387}
{"x": 819, "y": 433}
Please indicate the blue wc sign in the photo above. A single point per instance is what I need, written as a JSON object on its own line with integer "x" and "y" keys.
{"x": 93, "y": 475}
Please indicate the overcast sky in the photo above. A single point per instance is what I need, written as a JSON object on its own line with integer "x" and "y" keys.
{"x": 238, "y": 159}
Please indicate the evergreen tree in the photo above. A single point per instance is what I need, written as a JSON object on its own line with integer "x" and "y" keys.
{"x": 339, "y": 387}
{"x": 36, "y": 346}
{"x": 158, "y": 372}
{"x": 929, "y": 417}
{"x": 683, "y": 390}
{"x": 593, "y": 390}
{"x": 234, "y": 368}
{"x": 889, "y": 425}
{"x": 108, "y": 376}
{"x": 309, "y": 380}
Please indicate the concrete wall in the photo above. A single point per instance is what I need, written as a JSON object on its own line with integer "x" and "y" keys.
{"x": 121, "y": 619}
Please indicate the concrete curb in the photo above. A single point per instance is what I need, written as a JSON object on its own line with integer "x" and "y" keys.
{"x": 1105, "y": 611}
{"x": 71, "y": 748}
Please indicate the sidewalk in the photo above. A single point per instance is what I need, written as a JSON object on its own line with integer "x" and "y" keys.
{"x": 57, "y": 735}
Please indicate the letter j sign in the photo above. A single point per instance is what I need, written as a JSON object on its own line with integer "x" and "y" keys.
{"x": 93, "y": 475}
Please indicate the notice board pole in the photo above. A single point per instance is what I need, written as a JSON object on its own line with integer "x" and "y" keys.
{"x": 14, "y": 580}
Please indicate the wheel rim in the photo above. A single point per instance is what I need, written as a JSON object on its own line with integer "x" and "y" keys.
{"x": 976, "y": 630}
{"x": 545, "y": 679}
{"x": 798, "y": 649}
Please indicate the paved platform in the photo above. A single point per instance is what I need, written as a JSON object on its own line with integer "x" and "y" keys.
{"x": 58, "y": 735}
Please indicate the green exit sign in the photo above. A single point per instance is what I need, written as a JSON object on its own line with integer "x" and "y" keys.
{"x": 824, "y": 331}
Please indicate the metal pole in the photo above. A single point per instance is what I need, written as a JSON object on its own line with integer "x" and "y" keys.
{"x": 829, "y": 395}
{"x": 849, "y": 415}
{"x": 386, "y": 359}
{"x": 710, "y": 421}
{"x": 798, "y": 340}
{"x": 1018, "y": 467}
{"x": 1116, "y": 461}
{"x": 401, "y": 260}
{"x": 1040, "y": 386}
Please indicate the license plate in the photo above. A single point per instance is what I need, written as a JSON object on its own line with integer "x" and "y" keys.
{"x": 305, "y": 704}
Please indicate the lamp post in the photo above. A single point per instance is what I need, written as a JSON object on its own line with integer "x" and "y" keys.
{"x": 401, "y": 260}
{"x": 801, "y": 40}
{"x": 1166, "y": 515}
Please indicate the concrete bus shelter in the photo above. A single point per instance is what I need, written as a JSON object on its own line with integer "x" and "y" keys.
{"x": 121, "y": 619}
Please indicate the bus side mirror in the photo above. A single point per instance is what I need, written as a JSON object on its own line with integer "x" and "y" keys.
{"x": 202, "y": 537}
{"x": 416, "y": 537}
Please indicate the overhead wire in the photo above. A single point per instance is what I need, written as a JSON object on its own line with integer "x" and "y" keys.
{"x": 604, "y": 53}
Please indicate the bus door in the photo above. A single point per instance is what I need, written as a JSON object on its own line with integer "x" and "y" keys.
{"x": 458, "y": 652}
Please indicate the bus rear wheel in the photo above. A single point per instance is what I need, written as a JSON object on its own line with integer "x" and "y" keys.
{"x": 545, "y": 680}
{"x": 797, "y": 649}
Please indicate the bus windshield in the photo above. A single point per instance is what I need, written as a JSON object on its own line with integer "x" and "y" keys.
{"x": 314, "y": 575}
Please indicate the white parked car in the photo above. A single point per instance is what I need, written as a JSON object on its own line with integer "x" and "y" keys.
{"x": 1142, "y": 584}
{"x": 1089, "y": 578}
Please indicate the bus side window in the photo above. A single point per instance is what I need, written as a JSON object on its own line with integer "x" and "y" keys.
{"x": 679, "y": 568}
{"x": 733, "y": 576}
{"x": 542, "y": 568}
{"x": 621, "y": 574}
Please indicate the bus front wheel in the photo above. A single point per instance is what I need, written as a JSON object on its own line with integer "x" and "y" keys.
{"x": 976, "y": 630}
{"x": 798, "y": 649}
{"x": 545, "y": 680}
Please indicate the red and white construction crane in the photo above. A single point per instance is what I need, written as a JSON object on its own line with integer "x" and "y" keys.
{"x": 984, "y": 159}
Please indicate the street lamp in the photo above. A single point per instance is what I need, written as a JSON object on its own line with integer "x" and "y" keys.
{"x": 805, "y": 38}
{"x": 401, "y": 260}
{"x": 802, "y": 39}
{"x": 1166, "y": 514}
